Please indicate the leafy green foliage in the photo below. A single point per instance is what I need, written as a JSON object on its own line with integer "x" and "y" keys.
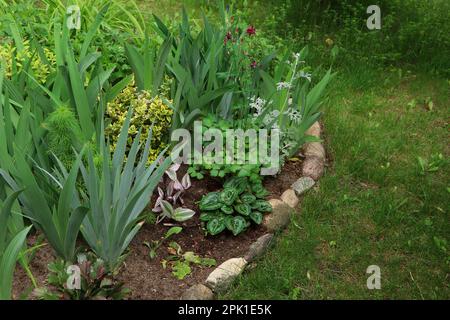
{"x": 149, "y": 67}
{"x": 15, "y": 61}
{"x": 95, "y": 281}
{"x": 236, "y": 224}
{"x": 248, "y": 198}
{"x": 8, "y": 260}
{"x": 412, "y": 31}
{"x": 155, "y": 244}
{"x": 286, "y": 102}
{"x": 59, "y": 216}
{"x": 261, "y": 205}
{"x": 174, "y": 194}
{"x": 238, "y": 207}
{"x": 210, "y": 202}
{"x": 214, "y": 67}
{"x": 228, "y": 196}
{"x": 181, "y": 262}
{"x": 150, "y": 114}
{"x": 228, "y": 166}
{"x": 243, "y": 208}
{"x": 117, "y": 194}
{"x": 179, "y": 214}
{"x": 64, "y": 134}
{"x": 9, "y": 248}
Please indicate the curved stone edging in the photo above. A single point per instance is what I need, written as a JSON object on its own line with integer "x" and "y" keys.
{"x": 221, "y": 278}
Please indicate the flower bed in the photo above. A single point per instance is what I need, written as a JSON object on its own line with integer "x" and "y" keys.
{"x": 145, "y": 277}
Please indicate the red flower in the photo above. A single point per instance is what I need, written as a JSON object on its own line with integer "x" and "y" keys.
{"x": 227, "y": 37}
{"x": 251, "y": 31}
{"x": 253, "y": 64}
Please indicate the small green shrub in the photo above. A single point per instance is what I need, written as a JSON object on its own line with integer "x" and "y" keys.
{"x": 150, "y": 113}
{"x": 64, "y": 134}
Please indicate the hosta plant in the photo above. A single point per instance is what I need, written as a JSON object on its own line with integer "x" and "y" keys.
{"x": 234, "y": 208}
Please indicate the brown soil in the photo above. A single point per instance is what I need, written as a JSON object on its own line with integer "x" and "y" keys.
{"x": 146, "y": 278}
{"x": 291, "y": 171}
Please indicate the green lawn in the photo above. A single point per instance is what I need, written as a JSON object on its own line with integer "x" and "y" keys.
{"x": 374, "y": 205}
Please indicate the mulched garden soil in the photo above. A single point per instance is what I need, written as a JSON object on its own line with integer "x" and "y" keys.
{"x": 146, "y": 278}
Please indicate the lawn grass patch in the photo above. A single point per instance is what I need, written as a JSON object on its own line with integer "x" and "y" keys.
{"x": 373, "y": 206}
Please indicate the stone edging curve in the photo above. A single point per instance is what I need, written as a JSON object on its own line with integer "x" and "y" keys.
{"x": 221, "y": 278}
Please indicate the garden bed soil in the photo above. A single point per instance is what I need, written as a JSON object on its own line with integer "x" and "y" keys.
{"x": 145, "y": 277}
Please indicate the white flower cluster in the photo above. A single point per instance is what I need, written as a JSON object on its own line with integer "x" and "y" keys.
{"x": 258, "y": 105}
{"x": 268, "y": 119}
{"x": 296, "y": 56}
{"x": 305, "y": 75}
{"x": 294, "y": 115}
{"x": 283, "y": 85}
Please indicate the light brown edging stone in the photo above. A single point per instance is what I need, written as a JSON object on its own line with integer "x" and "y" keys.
{"x": 290, "y": 198}
{"x": 259, "y": 247}
{"x": 315, "y": 155}
{"x": 302, "y": 185}
{"x": 280, "y": 216}
{"x": 198, "y": 292}
{"x": 313, "y": 168}
{"x": 221, "y": 278}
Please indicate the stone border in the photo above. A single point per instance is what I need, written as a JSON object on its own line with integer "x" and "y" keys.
{"x": 221, "y": 278}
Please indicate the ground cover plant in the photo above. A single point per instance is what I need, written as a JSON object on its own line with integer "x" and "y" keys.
{"x": 235, "y": 207}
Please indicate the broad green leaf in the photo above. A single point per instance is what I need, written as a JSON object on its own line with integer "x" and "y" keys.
{"x": 172, "y": 231}
{"x": 215, "y": 226}
{"x": 182, "y": 214}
